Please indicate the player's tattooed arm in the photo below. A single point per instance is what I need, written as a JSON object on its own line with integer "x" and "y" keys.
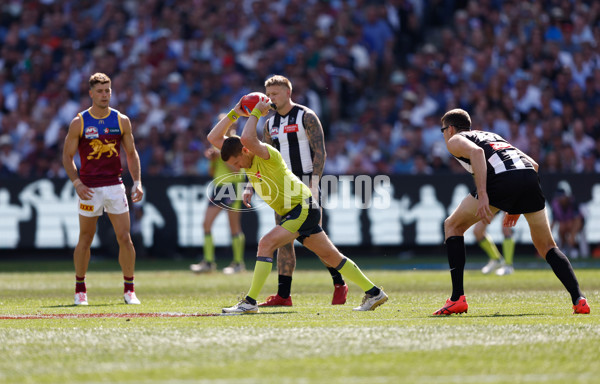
{"x": 316, "y": 139}
{"x": 267, "y": 139}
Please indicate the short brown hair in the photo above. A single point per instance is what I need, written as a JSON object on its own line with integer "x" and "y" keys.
{"x": 232, "y": 147}
{"x": 98, "y": 78}
{"x": 458, "y": 118}
{"x": 278, "y": 80}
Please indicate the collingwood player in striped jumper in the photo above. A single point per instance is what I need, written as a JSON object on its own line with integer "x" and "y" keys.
{"x": 296, "y": 132}
{"x": 505, "y": 179}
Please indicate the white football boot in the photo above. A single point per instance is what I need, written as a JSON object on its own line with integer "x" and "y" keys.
{"x": 370, "y": 302}
{"x": 81, "y": 298}
{"x": 131, "y": 298}
{"x": 242, "y": 307}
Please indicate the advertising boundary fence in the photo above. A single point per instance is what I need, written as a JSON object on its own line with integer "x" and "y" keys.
{"x": 359, "y": 211}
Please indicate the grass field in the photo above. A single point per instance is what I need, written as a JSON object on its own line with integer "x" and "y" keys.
{"x": 519, "y": 329}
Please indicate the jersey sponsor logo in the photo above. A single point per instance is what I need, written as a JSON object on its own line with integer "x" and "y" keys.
{"x": 112, "y": 131}
{"x": 290, "y": 128}
{"x": 499, "y": 146}
{"x": 99, "y": 148}
{"x": 85, "y": 207}
{"x": 91, "y": 133}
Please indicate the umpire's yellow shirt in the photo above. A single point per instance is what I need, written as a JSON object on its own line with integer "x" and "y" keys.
{"x": 273, "y": 181}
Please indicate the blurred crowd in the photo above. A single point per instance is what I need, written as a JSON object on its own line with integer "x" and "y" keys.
{"x": 379, "y": 74}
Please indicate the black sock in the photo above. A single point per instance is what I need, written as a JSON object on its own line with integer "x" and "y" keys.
{"x": 455, "y": 246}
{"x": 250, "y": 300}
{"x": 564, "y": 271}
{"x": 374, "y": 291}
{"x": 285, "y": 286}
{"x": 337, "y": 276}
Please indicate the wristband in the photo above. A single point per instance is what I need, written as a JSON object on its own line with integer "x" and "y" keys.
{"x": 137, "y": 184}
{"x": 77, "y": 183}
{"x": 232, "y": 115}
{"x": 256, "y": 113}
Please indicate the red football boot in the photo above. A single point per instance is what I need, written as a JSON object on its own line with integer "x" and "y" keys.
{"x": 276, "y": 301}
{"x": 340, "y": 292}
{"x": 458, "y": 306}
{"x": 582, "y": 306}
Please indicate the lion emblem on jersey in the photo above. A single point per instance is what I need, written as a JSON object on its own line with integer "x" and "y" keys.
{"x": 99, "y": 148}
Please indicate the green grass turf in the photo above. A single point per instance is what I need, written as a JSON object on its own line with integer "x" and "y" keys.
{"x": 519, "y": 329}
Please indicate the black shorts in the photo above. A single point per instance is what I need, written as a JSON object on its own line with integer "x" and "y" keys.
{"x": 515, "y": 192}
{"x": 304, "y": 219}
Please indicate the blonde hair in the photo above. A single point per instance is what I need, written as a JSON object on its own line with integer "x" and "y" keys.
{"x": 278, "y": 80}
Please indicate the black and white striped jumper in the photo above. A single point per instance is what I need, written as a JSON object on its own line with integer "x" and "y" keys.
{"x": 289, "y": 138}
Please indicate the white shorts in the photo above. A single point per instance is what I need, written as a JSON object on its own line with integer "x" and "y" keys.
{"x": 109, "y": 199}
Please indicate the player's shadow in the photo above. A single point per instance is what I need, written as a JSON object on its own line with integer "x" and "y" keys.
{"x": 84, "y": 306}
{"x": 511, "y": 315}
{"x": 493, "y": 315}
{"x": 259, "y": 313}
{"x": 276, "y": 313}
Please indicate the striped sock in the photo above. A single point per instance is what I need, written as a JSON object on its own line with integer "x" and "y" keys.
{"x": 128, "y": 284}
{"x": 80, "y": 284}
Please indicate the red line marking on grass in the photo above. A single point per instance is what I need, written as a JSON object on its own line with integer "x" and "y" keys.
{"x": 104, "y": 315}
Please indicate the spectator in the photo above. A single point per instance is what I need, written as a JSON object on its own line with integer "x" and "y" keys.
{"x": 361, "y": 63}
{"x": 420, "y": 165}
{"x": 9, "y": 158}
{"x": 338, "y": 161}
{"x": 579, "y": 140}
{"x": 403, "y": 160}
{"x": 589, "y": 164}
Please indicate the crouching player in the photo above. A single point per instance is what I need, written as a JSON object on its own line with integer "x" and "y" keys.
{"x": 505, "y": 179}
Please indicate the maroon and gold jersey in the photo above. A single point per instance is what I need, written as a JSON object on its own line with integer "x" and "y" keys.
{"x": 100, "y": 148}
